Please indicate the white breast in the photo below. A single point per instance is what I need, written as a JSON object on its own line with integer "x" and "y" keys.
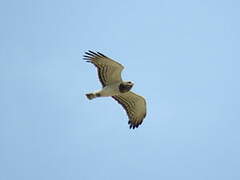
{"x": 110, "y": 90}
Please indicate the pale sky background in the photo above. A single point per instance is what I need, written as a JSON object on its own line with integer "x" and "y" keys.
{"x": 183, "y": 56}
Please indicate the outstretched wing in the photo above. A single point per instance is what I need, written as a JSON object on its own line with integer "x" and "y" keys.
{"x": 134, "y": 105}
{"x": 109, "y": 71}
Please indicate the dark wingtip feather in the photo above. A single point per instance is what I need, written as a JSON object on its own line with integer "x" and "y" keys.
{"x": 89, "y": 54}
{"x": 87, "y": 59}
{"x": 85, "y": 55}
{"x": 101, "y": 54}
{"x": 90, "y": 51}
{"x": 93, "y": 53}
{"x": 133, "y": 126}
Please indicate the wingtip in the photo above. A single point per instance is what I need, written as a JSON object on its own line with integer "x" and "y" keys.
{"x": 133, "y": 126}
{"x": 101, "y": 54}
{"x": 92, "y": 53}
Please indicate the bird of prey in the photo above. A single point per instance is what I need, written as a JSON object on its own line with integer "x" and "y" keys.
{"x": 109, "y": 73}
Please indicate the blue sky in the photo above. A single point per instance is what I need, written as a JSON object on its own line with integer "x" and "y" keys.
{"x": 183, "y": 56}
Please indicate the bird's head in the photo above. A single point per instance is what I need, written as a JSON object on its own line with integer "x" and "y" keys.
{"x": 125, "y": 86}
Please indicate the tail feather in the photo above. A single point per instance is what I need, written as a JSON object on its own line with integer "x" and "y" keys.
{"x": 90, "y": 96}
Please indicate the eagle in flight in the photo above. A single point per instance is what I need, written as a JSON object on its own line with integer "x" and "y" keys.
{"x": 109, "y": 73}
